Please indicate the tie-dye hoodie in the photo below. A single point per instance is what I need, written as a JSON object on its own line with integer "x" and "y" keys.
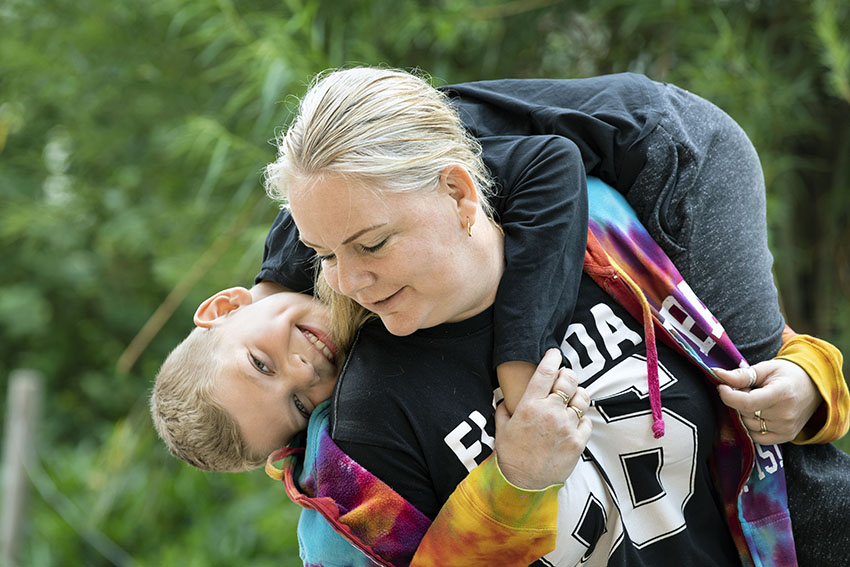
{"x": 351, "y": 518}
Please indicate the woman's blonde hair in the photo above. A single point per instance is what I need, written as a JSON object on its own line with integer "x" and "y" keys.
{"x": 388, "y": 128}
{"x": 194, "y": 427}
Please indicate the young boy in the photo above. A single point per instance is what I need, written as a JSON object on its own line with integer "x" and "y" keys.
{"x": 568, "y": 264}
{"x": 541, "y": 204}
{"x": 246, "y": 379}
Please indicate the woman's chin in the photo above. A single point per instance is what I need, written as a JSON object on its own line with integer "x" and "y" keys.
{"x": 399, "y": 325}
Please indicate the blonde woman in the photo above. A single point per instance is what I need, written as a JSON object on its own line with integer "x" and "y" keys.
{"x": 393, "y": 208}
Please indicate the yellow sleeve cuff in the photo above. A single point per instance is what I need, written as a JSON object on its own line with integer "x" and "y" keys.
{"x": 822, "y": 362}
{"x": 510, "y": 505}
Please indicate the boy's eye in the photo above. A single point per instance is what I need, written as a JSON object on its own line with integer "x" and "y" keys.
{"x": 259, "y": 364}
{"x": 300, "y": 407}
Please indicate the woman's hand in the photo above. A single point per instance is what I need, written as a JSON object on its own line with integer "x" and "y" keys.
{"x": 540, "y": 444}
{"x": 783, "y": 394}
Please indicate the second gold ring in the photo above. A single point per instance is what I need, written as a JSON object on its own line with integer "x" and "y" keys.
{"x": 579, "y": 413}
{"x": 564, "y": 396}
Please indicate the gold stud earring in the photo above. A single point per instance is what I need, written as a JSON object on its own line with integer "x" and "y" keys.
{"x": 468, "y": 228}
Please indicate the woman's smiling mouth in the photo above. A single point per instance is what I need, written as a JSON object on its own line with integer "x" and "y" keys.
{"x": 383, "y": 304}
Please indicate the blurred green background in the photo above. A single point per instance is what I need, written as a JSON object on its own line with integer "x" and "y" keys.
{"x": 132, "y": 139}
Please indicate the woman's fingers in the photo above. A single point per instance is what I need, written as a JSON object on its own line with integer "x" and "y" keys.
{"x": 740, "y": 378}
{"x": 565, "y": 385}
{"x": 544, "y": 376}
{"x": 541, "y": 442}
{"x": 783, "y": 395}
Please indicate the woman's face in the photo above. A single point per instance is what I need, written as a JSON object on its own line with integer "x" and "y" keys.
{"x": 404, "y": 256}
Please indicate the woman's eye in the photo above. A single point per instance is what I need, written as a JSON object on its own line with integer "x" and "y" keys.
{"x": 375, "y": 248}
{"x": 327, "y": 258}
{"x": 260, "y": 365}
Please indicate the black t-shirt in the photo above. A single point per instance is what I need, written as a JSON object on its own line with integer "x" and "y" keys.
{"x": 608, "y": 117}
{"x": 418, "y": 411}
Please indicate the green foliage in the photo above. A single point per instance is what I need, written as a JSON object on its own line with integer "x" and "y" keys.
{"x": 133, "y": 504}
{"x": 132, "y": 138}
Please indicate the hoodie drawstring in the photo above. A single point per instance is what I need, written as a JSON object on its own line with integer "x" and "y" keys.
{"x": 651, "y": 354}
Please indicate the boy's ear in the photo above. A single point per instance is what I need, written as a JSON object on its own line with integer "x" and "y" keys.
{"x": 219, "y": 305}
{"x": 458, "y": 183}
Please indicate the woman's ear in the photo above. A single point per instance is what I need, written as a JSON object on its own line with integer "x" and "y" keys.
{"x": 457, "y": 183}
{"x": 211, "y": 311}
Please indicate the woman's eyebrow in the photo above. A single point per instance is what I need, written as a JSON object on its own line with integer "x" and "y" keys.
{"x": 348, "y": 240}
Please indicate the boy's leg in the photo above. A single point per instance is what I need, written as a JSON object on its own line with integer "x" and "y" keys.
{"x": 710, "y": 217}
{"x": 711, "y": 222}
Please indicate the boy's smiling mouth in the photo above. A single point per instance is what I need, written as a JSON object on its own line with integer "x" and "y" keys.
{"x": 322, "y": 344}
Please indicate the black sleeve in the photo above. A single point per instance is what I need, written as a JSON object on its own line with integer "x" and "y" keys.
{"x": 607, "y": 117}
{"x": 542, "y": 208}
{"x": 285, "y": 259}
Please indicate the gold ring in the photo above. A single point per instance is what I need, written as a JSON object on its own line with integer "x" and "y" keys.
{"x": 763, "y": 425}
{"x": 579, "y": 413}
{"x": 758, "y": 414}
{"x": 563, "y": 395}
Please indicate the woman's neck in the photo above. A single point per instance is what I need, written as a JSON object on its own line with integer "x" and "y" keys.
{"x": 486, "y": 267}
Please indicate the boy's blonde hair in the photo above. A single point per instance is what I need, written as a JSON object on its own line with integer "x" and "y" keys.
{"x": 346, "y": 315}
{"x": 194, "y": 427}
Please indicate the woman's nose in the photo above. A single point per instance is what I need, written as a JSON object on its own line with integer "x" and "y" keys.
{"x": 348, "y": 277}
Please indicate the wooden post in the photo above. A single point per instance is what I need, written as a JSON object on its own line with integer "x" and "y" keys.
{"x": 22, "y": 412}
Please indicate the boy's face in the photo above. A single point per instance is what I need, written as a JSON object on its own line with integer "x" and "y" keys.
{"x": 278, "y": 364}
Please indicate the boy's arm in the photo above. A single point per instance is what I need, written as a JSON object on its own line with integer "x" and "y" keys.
{"x": 513, "y": 378}
{"x": 541, "y": 205}
{"x": 286, "y": 261}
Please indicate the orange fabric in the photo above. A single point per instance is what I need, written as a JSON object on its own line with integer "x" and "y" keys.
{"x": 489, "y": 522}
{"x": 822, "y": 361}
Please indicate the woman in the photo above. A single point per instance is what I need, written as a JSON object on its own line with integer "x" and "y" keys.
{"x": 375, "y": 245}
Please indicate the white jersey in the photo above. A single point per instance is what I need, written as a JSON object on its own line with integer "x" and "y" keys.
{"x": 633, "y": 499}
